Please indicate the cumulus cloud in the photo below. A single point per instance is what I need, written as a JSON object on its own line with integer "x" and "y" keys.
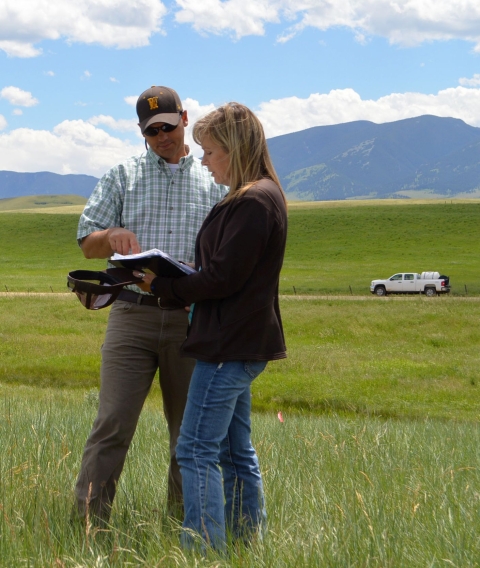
{"x": 473, "y": 82}
{"x": 239, "y": 17}
{"x": 17, "y": 112}
{"x": 18, "y": 97}
{"x": 195, "y": 111}
{"x": 282, "y": 116}
{"x": 120, "y": 125}
{"x": 74, "y": 146}
{"x": 77, "y": 146}
{"x": 111, "y": 23}
{"x": 408, "y": 23}
{"x": 131, "y": 100}
{"x": 131, "y": 23}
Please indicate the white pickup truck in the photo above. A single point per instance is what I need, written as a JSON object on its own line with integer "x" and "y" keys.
{"x": 428, "y": 283}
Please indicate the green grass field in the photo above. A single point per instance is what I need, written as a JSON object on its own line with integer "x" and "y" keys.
{"x": 377, "y": 463}
{"x": 336, "y": 248}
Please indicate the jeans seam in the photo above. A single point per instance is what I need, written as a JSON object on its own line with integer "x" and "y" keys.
{"x": 202, "y": 487}
{"x": 236, "y": 490}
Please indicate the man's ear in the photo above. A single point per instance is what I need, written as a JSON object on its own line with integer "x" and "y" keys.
{"x": 185, "y": 118}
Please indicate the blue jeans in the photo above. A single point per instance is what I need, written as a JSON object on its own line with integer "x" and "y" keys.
{"x": 215, "y": 432}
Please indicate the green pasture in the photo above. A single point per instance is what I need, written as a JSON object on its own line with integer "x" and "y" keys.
{"x": 333, "y": 248}
{"x": 377, "y": 462}
{"x": 339, "y": 248}
{"x": 400, "y": 357}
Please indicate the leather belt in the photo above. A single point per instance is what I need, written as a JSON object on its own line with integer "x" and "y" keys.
{"x": 147, "y": 300}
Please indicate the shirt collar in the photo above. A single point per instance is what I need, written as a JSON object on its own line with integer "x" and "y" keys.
{"x": 184, "y": 162}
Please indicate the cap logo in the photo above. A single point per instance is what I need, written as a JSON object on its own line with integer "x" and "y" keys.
{"x": 153, "y": 102}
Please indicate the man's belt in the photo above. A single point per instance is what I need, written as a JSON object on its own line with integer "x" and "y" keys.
{"x": 147, "y": 300}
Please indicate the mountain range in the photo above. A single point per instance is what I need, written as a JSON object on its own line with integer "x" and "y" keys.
{"x": 361, "y": 159}
{"x": 414, "y": 157}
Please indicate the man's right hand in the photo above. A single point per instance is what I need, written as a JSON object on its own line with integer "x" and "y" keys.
{"x": 123, "y": 241}
{"x": 102, "y": 244}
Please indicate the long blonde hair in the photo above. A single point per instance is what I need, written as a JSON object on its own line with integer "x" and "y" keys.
{"x": 240, "y": 134}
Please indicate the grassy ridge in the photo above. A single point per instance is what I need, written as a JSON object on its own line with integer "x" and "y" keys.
{"x": 36, "y": 203}
{"x": 39, "y": 250}
{"x": 331, "y": 249}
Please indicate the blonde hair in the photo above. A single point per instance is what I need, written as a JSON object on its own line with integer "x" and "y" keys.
{"x": 240, "y": 134}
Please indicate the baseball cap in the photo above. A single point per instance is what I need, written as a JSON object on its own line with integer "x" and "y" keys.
{"x": 99, "y": 289}
{"x": 158, "y": 104}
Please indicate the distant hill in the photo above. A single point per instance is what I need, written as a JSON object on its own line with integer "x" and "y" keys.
{"x": 415, "y": 157}
{"x": 15, "y": 184}
{"x": 364, "y": 159}
{"x": 44, "y": 203}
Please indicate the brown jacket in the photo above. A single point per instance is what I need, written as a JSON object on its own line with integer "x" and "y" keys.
{"x": 239, "y": 253}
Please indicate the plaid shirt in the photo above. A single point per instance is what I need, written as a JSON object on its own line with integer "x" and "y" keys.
{"x": 164, "y": 210}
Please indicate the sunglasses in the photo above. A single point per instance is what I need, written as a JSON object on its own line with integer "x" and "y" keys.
{"x": 154, "y": 130}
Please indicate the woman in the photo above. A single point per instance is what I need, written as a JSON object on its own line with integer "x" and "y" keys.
{"x": 235, "y": 328}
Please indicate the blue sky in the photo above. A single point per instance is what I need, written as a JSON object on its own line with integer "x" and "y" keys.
{"x": 70, "y": 73}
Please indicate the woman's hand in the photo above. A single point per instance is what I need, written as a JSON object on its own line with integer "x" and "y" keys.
{"x": 146, "y": 280}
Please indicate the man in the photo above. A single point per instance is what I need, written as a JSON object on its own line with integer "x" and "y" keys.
{"x": 156, "y": 200}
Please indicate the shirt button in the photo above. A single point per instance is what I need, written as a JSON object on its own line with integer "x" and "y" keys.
{"x": 170, "y": 232}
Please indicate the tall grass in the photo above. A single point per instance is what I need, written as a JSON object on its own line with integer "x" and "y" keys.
{"x": 340, "y": 492}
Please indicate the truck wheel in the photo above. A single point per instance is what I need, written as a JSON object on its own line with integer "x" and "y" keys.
{"x": 380, "y": 291}
{"x": 430, "y": 292}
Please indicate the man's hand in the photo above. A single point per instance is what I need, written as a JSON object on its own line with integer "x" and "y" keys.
{"x": 123, "y": 241}
{"x": 102, "y": 244}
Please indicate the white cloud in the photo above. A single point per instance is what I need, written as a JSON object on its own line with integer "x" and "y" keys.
{"x": 132, "y": 100}
{"x": 120, "y": 125}
{"x": 17, "y": 111}
{"x": 404, "y": 22}
{"x": 74, "y": 146}
{"x": 50, "y": 73}
{"x": 113, "y": 80}
{"x": 17, "y": 48}
{"x": 86, "y": 75}
{"x": 473, "y": 82}
{"x": 130, "y": 23}
{"x": 18, "y": 97}
{"x": 242, "y": 17}
{"x": 82, "y": 147}
{"x": 291, "y": 114}
{"x": 111, "y": 23}
{"x": 194, "y": 111}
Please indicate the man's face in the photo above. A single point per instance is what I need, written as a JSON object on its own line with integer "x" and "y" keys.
{"x": 169, "y": 145}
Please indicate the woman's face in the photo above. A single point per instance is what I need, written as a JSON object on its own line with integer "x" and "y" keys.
{"x": 216, "y": 160}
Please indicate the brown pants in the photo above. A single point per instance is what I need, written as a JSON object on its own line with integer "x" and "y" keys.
{"x": 139, "y": 339}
